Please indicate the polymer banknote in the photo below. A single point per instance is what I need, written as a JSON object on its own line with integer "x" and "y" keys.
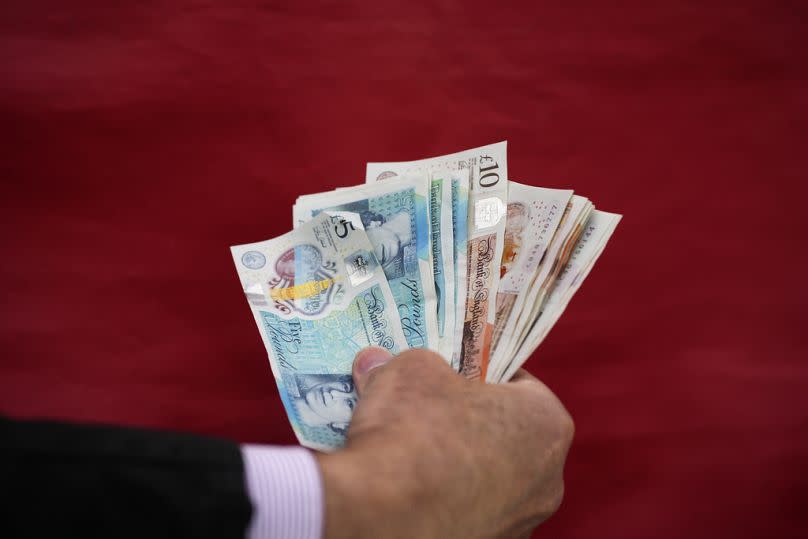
{"x": 395, "y": 216}
{"x": 534, "y": 214}
{"x": 318, "y": 295}
{"x": 445, "y": 188}
{"x": 596, "y": 233}
{"x": 488, "y": 181}
{"x": 527, "y": 305}
{"x": 442, "y": 236}
{"x": 460, "y": 207}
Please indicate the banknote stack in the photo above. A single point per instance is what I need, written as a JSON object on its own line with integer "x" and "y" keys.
{"x": 443, "y": 253}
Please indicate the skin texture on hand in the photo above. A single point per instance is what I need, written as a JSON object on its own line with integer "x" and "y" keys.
{"x": 431, "y": 454}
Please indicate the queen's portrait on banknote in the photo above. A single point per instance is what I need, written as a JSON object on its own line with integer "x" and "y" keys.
{"x": 518, "y": 218}
{"x": 390, "y": 236}
{"x": 324, "y": 400}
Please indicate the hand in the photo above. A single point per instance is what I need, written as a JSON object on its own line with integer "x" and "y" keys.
{"x": 430, "y": 454}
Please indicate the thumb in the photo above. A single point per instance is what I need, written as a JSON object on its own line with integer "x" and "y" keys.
{"x": 364, "y": 362}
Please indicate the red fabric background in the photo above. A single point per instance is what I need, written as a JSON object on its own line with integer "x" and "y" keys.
{"x": 141, "y": 141}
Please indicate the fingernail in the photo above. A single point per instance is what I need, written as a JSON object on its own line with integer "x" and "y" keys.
{"x": 370, "y": 358}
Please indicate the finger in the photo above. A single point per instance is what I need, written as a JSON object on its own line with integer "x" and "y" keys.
{"x": 365, "y": 361}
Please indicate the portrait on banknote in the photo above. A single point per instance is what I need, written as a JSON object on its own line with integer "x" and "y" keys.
{"x": 391, "y": 234}
{"x": 324, "y": 399}
{"x": 518, "y": 218}
{"x": 321, "y": 405}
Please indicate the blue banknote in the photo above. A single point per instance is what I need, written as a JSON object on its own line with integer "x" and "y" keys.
{"x": 435, "y": 206}
{"x": 314, "y": 359}
{"x": 395, "y": 218}
{"x": 318, "y": 295}
{"x": 442, "y": 243}
{"x": 460, "y": 207}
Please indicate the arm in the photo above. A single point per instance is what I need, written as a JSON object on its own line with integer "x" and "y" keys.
{"x": 92, "y": 480}
{"x": 429, "y": 454}
{"x": 89, "y": 480}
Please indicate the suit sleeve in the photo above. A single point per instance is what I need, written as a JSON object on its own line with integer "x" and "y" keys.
{"x": 65, "y": 480}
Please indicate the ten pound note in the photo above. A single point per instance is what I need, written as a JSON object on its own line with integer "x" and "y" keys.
{"x": 487, "y": 207}
{"x": 318, "y": 295}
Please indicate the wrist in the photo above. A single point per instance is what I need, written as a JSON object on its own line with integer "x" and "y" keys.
{"x": 344, "y": 509}
{"x": 362, "y": 500}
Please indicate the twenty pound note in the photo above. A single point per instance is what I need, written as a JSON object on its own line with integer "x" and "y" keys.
{"x": 318, "y": 295}
{"x": 487, "y": 207}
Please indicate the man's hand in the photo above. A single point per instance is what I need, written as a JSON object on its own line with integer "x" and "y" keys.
{"x": 430, "y": 454}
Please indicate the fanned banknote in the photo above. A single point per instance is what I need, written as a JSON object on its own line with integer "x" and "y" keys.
{"x": 488, "y": 168}
{"x": 442, "y": 236}
{"x": 527, "y": 306}
{"x": 318, "y": 295}
{"x": 395, "y": 216}
{"x": 445, "y": 253}
{"x": 460, "y": 207}
{"x": 534, "y": 214}
{"x": 596, "y": 234}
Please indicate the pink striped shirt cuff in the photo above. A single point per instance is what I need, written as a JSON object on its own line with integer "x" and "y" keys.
{"x": 286, "y": 491}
